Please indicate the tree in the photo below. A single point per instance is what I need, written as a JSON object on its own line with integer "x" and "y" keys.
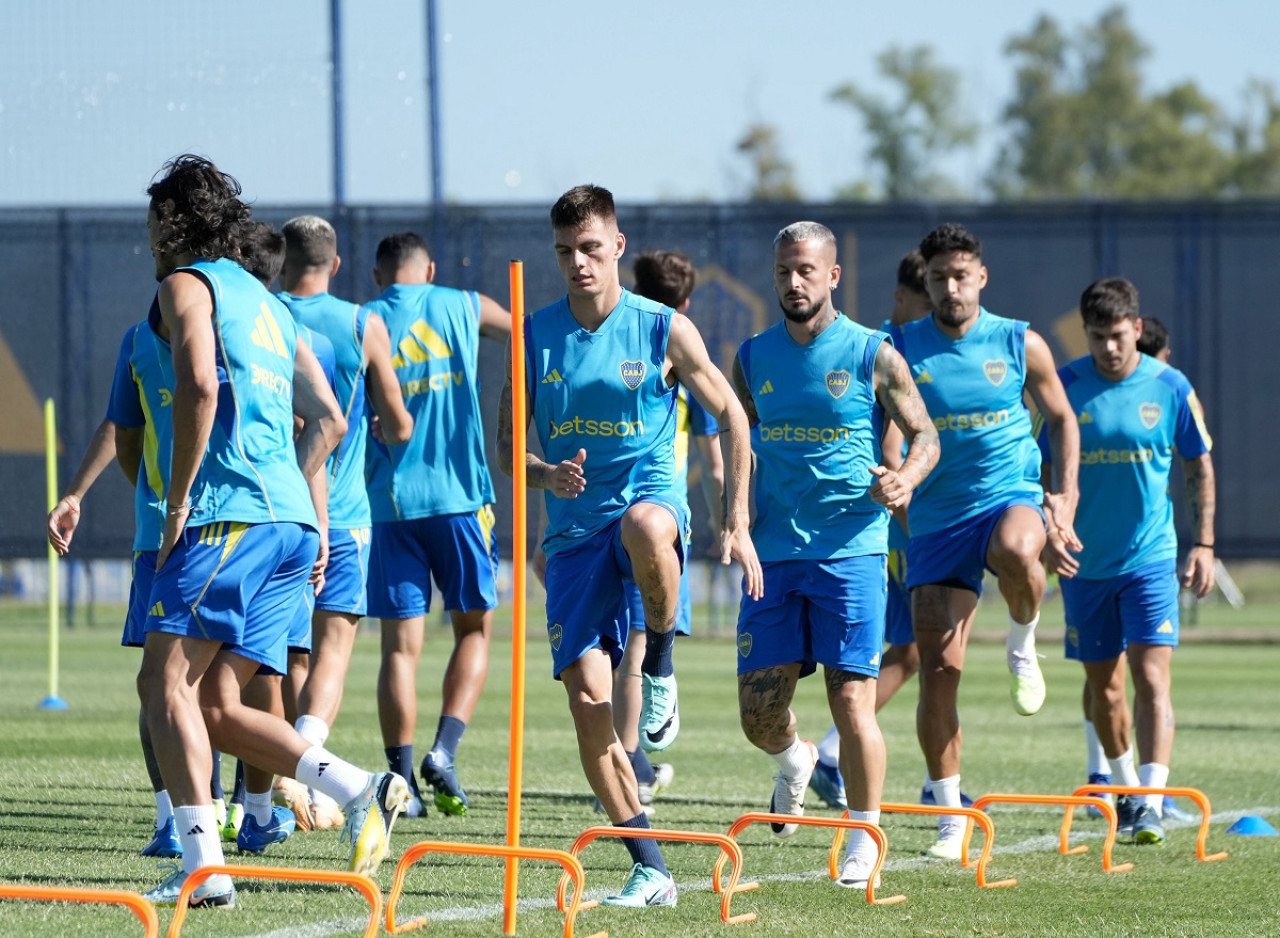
{"x": 1256, "y": 142}
{"x": 913, "y": 131}
{"x": 774, "y": 174}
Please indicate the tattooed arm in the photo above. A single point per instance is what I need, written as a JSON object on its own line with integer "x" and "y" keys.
{"x": 896, "y": 391}
{"x": 1201, "y": 501}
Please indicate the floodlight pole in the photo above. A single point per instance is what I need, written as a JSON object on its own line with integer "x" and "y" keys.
{"x": 433, "y": 104}
{"x": 335, "y": 77}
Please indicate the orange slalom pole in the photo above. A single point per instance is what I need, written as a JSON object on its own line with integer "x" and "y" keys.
{"x": 519, "y": 564}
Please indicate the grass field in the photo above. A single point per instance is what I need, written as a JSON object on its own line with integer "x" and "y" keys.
{"x": 75, "y": 806}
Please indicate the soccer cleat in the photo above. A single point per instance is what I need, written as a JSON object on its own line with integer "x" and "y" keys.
{"x": 220, "y": 813}
{"x": 293, "y": 795}
{"x": 663, "y": 774}
{"x": 370, "y": 817}
{"x": 659, "y": 712}
{"x": 1126, "y": 814}
{"x": 235, "y": 818}
{"x": 645, "y": 887}
{"x": 255, "y": 838}
{"x": 788, "y": 793}
{"x": 165, "y": 842}
{"x": 926, "y": 797}
{"x": 326, "y": 811}
{"x": 216, "y": 892}
{"x": 946, "y": 848}
{"x": 1026, "y": 683}
{"x": 440, "y": 774}
{"x": 1172, "y": 811}
{"x": 828, "y": 785}
{"x": 1147, "y": 829}
{"x": 1098, "y": 778}
{"x": 855, "y": 872}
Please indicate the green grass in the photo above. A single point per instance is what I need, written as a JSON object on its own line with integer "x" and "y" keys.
{"x": 75, "y": 806}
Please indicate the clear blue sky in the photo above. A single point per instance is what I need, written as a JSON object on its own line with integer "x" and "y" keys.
{"x": 647, "y": 98}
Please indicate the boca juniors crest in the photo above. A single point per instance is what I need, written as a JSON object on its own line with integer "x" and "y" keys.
{"x": 744, "y": 644}
{"x": 1150, "y": 415}
{"x": 554, "y": 633}
{"x": 995, "y": 370}
{"x": 837, "y": 383}
{"x": 632, "y": 374}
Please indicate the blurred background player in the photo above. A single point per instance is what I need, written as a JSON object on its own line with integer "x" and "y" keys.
{"x": 1154, "y": 340}
{"x": 361, "y": 352}
{"x": 431, "y": 501}
{"x": 981, "y": 509}
{"x": 240, "y": 538}
{"x": 1121, "y": 593}
{"x": 603, "y": 367}
{"x": 817, "y": 388}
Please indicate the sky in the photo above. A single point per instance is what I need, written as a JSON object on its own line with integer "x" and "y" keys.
{"x": 648, "y": 99}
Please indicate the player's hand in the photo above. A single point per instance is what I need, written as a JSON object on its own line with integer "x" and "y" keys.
{"x": 375, "y": 428}
{"x": 1198, "y": 573}
{"x": 889, "y": 489}
{"x": 175, "y": 522}
{"x": 1056, "y": 557}
{"x": 567, "y": 479}
{"x": 1060, "y": 515}
{"x": 322, "y": 561}
{"x": 62, "y": 523}
{"x": 735, "y": 544}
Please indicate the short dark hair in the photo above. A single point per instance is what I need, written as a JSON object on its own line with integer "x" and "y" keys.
{"x": 200, "y": 209}
{"x": 1108, "y": 300}
{"x": 911, "y": 272}
{"x": 577, "y": 207}
{"x": 666, "y": 277}
{"x": 1154, "y": 338}
{"x": 395, "y": 249}
{"x": 310, "y": 241}
{"x": 950, "y": 238}
{"x": 263, "y": 249}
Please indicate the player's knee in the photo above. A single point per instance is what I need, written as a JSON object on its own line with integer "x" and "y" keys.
{"x": 1016, "y": 552}
{"x": 647, "y": 527}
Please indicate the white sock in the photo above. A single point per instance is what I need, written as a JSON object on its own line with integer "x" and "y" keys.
{"x": 796, "y": 759}
{"x": 313, "y": 729}
{"x": 164, "y": 808}
{"x": 198, "y": 831}
{"x": 928, "y": 781}
{"x": 1154, "y": 775}
{"x": 829, "y": 748}
{"x": 860, "y": 843}
{"x": 1122, "y": 770}
{"x": 1094, "y": 753}
{"x": 259, "y": 805}
{"x": 946, "y": 793}
{"x": 341, "y": 781}
{"x": 1022, "y": 638}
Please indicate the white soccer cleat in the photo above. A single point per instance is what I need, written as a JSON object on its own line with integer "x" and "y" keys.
{"x": 659, "y": 712}
{"x": 788, "y": 793}
{"x": 1026, "y": 684}
{"x": 855, "y": 872}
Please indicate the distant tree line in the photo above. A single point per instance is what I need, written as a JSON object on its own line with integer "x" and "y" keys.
{"x": 1080, "y": 124}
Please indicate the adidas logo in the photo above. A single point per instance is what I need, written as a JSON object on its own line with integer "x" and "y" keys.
{"x": 875, "y": 659}
{"x": 195, "y": 830}
{"x": 553, "y": 378}
{"x": 320, "y": 768}
{"x": 266, "y": 333}
{"x": 766, "y": 388}
{"x": 924, "y": 378}
{"x": 1166, "y": 627}
{"x": 1085, "y": 418}
{"x": 156, "y": 610}
{"x": 422, "y": 344}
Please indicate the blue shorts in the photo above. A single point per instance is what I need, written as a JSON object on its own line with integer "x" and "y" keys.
{"x": 957, "y": 556}
{"x": 897, "y": 612}
{"x": 459, "y": 552}
{"x": 300, "y": 627}
{"x": 347, "y": 573}
{"x": 135, "y": 620}
{"x": 586, "y": 600}
{"x": 684, "y": 610}
{"x": 828, "y": 612}
{"x": 238, "y": 584}
{"x": 1104, "y": 616}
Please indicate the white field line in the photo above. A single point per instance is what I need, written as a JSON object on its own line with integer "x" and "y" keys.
{"x": 1047, "y": 842}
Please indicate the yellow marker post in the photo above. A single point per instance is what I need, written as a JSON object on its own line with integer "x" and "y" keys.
{"x": 518, "y": 566}
{"x": 53, "y": 701}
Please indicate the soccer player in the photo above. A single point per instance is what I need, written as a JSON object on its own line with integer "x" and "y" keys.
{"x": 666, "y": 277}
{"x": 981, "y": 509}
{"x": 362, "y": 360}
{"x": 240, "y": 535}
{"x": 431, "y": 500}
{"x": 1120, "y": 593}
{"x": 816, "y": 388}
{"x": 1154, "y": 340}
{"x": 603, "y": 370}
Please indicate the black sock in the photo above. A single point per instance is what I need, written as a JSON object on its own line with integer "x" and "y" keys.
{"x": 643, "y": 850}
{"x": 448, "y": 734}
{"x": 238, "y": 792}
{"x": 400, "y": 761}
{"x": 643, "y": 768}
{"x": 215, "y": 782}
{"x": 657, "y": 653}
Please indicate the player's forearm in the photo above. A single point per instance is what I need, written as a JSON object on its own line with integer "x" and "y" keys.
{"x": 1201, "y": 498}
{"x": 102, "y": 449}
{"x": 194, "y": 407}
{"x": 736, "y": 446}
{"x": 538, "y": 474}
{"x": 923, "y": 450}
{"x": 1064, "y": 443}
{"x": 318, "y": 485}
{"x": 317, "y": 440}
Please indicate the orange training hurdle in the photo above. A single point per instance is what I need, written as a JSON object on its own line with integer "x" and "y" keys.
{"x": 725, "y": 843}
{"x": 366, "y": 886}
{"x": 1071, "y": 801}
{"x": 139, "y": 906}
{"x": 833, "y": 863}
{"x": 974, "y": 816}
{"x": 1194, "y": 794}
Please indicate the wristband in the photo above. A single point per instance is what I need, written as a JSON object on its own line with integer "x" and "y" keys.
{"x": 174, "y": 509}
{"x": 1202, "y": 544}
